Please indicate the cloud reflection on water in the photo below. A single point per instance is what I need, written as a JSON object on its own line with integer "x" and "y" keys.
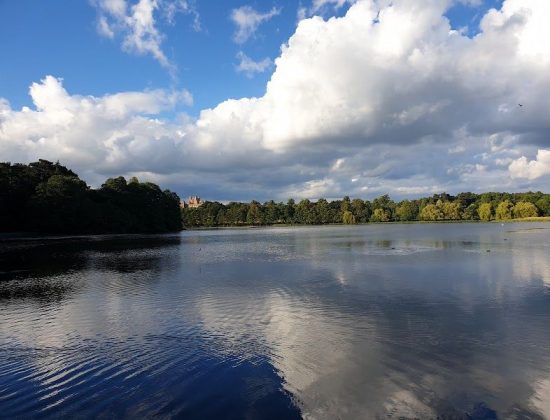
{"x": 352, "y": 322}
{"x": 404, "y": 339}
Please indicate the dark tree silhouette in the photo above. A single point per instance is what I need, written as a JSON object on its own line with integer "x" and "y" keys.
{"x": 47, "y": 197}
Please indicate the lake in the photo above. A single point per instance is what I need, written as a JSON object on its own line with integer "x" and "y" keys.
{"x": 373, "y": 321}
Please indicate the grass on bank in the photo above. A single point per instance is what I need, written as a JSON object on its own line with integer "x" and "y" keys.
{"x": 287, "y": 225}
{"x": 529, "y": 219}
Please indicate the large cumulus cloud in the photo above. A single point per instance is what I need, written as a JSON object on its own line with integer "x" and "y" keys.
{"x": 388, "y": 98}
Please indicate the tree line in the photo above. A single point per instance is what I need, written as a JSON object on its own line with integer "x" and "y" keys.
{"x": 48, "y": 197}
{"x": 439, "y": 207}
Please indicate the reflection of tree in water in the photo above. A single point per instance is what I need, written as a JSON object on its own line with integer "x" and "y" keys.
{"x": 51, "y": 268}
{"x": 47, "y": 290}
{"x": 452, "y": 334}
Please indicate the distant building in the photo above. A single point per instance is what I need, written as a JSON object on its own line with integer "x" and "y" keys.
{"x": 194, "y": 202}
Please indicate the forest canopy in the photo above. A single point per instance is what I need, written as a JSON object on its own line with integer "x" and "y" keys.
{"x": 440, "y": 207}
{"x": 48, "y": 197}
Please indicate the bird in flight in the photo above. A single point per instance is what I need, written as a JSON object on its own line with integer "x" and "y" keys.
{"x": 520, "y": 105}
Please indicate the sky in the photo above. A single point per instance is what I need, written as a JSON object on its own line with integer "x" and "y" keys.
{"x": 241, "y": 100}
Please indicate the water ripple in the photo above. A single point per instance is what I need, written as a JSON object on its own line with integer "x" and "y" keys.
{"x": 401, "y": 321}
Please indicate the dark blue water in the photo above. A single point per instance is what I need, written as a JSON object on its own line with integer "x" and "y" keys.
{"x": 378, "y": 321}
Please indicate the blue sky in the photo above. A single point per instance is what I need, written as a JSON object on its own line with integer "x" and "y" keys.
{"x": 321, "y": 112}
{"x": 60, "y": 37}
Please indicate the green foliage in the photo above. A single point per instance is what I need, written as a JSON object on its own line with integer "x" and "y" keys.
{"x": 431, "y": 212}
{"x": 18, "y": 183}
{"x": 485, "y": 212}
{"x": 470, "y": 212}
{"x": 47, "y": 197}
{"x": 254, "y": 214}
{"x": 450, "y": 210}
{"x": 380, "y": 215}
{"x": 115, "y": 184}
{"x": 385, "y": 203}
{"x": 346, "y": 204}
{"x": 306, "y": 213}
{"x": 290, "y": 210}
{"x": 441, "y": 210}
{"x": 543, "y": 205}
{"x": 467, "y": 199}
{"x": 504, "y": 210}
{"x": 323, "y": 211}
{"x": 407, "y": 211}
{"x": 61, "y": 202}
{"x": 439, "y": 207}
{"x": 525, "y": 209}
{"x": 360, "y": 210}
{"x": 348, "y": 218}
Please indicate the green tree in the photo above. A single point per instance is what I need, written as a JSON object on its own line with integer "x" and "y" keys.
{"x": 290, "y": 211}
{"x": 380, "y": 215}
{"x": 60, "y": 203}
{"x": 118, "y": 184}
{"x": 65, "y": 204}
{"x": 470, "y": 212}
{"x": 220, "y": 217}
{"x": 254, "y": 216}
{"x": 431, "y": 212}
{"x": 504, "y": 210}
{"x": 323, "y": 211}
{"x": 304, "y": 212}
{"x": 407, "y": 211}
{"x": 525, "y": 209}
{"x": 485, "y": 212}
{"x": 345, "y": 205}
{"x": 466, "y": 199}
{"x": 235, "y": 214}
{"x": 385, "y": 203}
{"x": 543, "y": 205}
{"x": 348, "y": 218}
{"x": 450, "y": 210}
{"x": 360, "y": 210}
{"x": 271, "y": 213}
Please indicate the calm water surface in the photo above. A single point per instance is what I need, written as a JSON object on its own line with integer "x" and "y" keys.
{"x": 376, "y": 321}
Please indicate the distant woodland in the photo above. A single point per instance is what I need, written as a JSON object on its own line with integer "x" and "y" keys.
{"x": 440, "y": 207}
{"x": 48, "y": 197}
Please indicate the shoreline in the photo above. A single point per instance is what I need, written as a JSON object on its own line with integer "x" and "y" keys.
{"x": 542, "y": 219}
{"x": 14, "y": 236}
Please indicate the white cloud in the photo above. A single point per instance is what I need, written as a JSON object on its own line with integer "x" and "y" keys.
{"x": 248, "y": 20}
{"x": 318, "y": 5}
{"x": 172, "y": 8}
{"x": 250, "y": 67}
{"x": 390, "y": 90}
{"x": 313, "y": 189}
{"x": 138, "y": 26}
{"x": 531, "y": 169}
{"x": 94, "y": 134}
{"x": 321, "y": 8}
{"x": 104, "y": 28}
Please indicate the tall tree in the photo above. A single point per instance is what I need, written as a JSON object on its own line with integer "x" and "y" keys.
{"x": 504, "y": 210}
{"x": 407, "y": 211}
{"x": 485, "y": 212}
{"x": 525, "y": 209}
